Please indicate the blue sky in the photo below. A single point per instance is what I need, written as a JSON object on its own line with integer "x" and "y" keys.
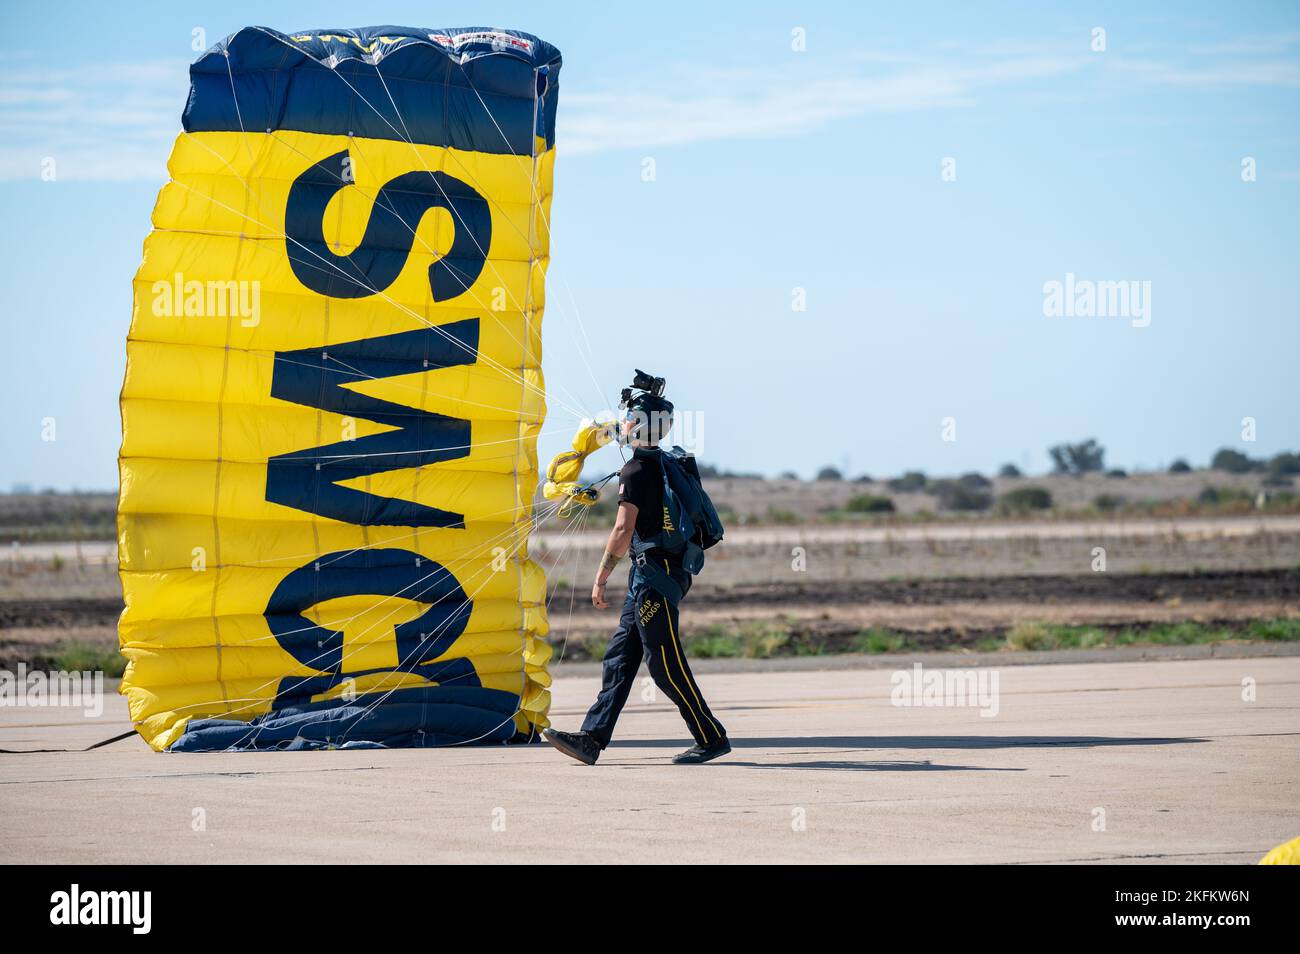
{"x": 775, "y": 169}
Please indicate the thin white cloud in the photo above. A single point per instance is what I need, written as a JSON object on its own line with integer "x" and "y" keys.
{"x": 1215, "y": 76}
{"x": 1260, "y": 44}
{"x": 112, "y": 122}
{"x": 117, "y": 121}
{"x": 717, "y": 105}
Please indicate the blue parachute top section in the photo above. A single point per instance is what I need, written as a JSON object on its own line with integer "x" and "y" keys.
{"x": 474, "y": 88}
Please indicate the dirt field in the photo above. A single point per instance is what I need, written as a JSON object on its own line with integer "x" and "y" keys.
{"x": 949, "y": 584}
{"x": 943, "y": 613}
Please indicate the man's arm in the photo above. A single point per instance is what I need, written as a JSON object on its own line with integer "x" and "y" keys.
{"x": 620, "y": 538}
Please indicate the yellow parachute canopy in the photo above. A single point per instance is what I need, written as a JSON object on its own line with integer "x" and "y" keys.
{"x": 333, "y": 394}
{"x": 1287, "y": 853}
{"x": 562, "y": 476}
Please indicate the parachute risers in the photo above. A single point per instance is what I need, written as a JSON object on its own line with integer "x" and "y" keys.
{"x": 562, "y": 476}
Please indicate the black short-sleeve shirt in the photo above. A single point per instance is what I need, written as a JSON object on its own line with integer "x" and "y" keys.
{"x": 641, "y": 483}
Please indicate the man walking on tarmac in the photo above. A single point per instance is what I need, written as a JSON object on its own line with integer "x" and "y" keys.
{"x": 656, "y": 584}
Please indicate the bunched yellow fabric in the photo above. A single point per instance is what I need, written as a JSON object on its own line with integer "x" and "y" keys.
{"x": 562, "y": 475}
{"x": 333, "y": 394}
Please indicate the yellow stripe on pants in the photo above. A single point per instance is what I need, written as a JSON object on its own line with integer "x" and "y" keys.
{"x": 664, "y": 651}
{"x": 690, "y": 683}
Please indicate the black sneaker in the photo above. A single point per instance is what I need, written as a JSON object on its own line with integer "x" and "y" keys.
{"x": 699, "y": 754}
{"x": 576, "y": 745}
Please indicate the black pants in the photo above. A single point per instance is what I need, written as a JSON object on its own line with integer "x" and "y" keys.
{"x": 648, "y": 629}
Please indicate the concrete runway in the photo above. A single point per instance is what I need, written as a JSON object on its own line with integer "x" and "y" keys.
{"x": 1165, "y": 755}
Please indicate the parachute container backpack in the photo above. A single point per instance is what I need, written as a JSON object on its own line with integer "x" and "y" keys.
{"x": 333, "y": 394}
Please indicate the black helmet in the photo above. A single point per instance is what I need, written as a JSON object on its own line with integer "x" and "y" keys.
{"x": 649, "y": 404}
{"x": 644, "y": 405}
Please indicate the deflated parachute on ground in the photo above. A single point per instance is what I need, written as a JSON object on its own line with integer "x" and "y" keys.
{"x": 333, "y": 395}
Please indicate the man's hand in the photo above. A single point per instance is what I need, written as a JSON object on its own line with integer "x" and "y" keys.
{"x": 598, "y": 594}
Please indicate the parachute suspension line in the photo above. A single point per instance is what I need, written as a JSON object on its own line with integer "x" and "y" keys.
{"x": 579, "y": 411}
{"x": 583, "y": 497}
{"x": 501, "y": 132}
{"x": 410, "y": 664}
{"x": 220, "y": 468}
{"x": 491, "y": 363}
{"x": 600, "y": 391}
{"x": 584, "y": 349}
{"x": 540, "y": 393}
{"x": 535, "y": 522}
{"x": 330, "y": 267}
{"x": 254, "y": 701}
{"x": 384, "y": 202}
{"x": 581, "y": 524}
{"x": 438, "y": 631}
{"x": 430, "y": 576}
{"x": 342, "y": 555}
{"x": 523, "y": 359}
{"x": 535, "y": 204}
{"x": 571, "y": 532}
{"x": 547, "y": 512}
{"x": 234, "y": 98}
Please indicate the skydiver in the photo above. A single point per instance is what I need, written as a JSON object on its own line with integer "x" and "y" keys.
{"x": 648, "y": 626}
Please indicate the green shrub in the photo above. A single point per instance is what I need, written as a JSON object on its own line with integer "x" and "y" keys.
{"x": 777, "y": 515}
{"x": 85, "y": 657}
{"x": 869, "y": 503}
{"x": 1287, "y": 630}
{"x": 879, "y": 641}
{"x": 954, "y": 495}
{"x": 1216, "y": 496}
{"x": 1284, "y": 465}
{"x": 910, "y": 482}
{"x": 1232, "y": 461}
{"x": 1082, "y": 458}
{"x": 1023, "y": 499}
{"x": 1032, "y": 636}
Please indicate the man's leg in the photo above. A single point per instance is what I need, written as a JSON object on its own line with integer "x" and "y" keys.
{"x": 621, "y": 662}
{"x": 656, "y": 617}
